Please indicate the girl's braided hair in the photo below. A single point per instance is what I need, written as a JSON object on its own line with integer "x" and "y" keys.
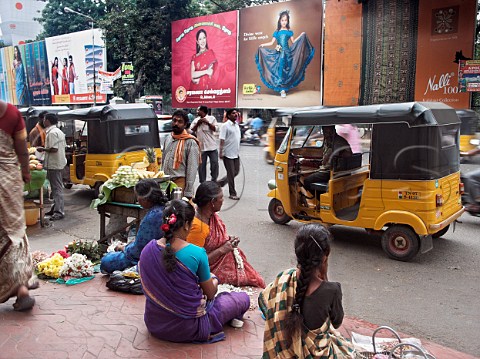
{"x": 150, "y": 190}
{"x": 176, "y": 214}
{"x": 311, "y": 248}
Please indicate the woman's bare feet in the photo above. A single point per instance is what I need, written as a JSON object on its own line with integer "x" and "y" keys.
{"x": 24, "y": 300}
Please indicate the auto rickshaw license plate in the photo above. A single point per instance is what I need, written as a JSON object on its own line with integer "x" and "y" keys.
{"x": 408, "y": 195}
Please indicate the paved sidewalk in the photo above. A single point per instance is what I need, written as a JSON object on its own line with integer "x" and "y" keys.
{"x": 89, "y": 321}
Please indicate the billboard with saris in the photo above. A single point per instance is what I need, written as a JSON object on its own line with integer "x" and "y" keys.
{"x": 204, "y": 61}
{"x": 13, "y": 78}
{"x": 280, "y": 56}
{"x": 36, "y": 65}
{"x": 74, "y": 61}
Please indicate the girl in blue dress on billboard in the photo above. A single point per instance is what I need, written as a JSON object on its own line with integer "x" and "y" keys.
{"x": 283, "y": 68}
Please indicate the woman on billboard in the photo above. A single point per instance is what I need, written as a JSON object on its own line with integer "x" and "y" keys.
{"x": 55, "y": 76}
{"x": 20, "y": 79}
{"x": 203, "y": 63}
{"x": 65, "y": 89}
{"x": 283, "y": 67}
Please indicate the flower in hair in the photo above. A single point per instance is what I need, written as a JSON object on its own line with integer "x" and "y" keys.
{"x": 296, "y": 308}
{"x": 165, "y": 227}
{"x": 172, "y": 219}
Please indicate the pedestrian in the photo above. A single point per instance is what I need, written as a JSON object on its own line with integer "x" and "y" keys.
{"x": 229, "y": 151}
{"x": 181, "y": 154}
{"x": 55, "y": 162}
{"x": 16, "y": 269}
{"x": 302, "y": 307}
{"x": 206, "y": 127}
{"x": 37, "y": 135}
{"x": 182, "y": 304}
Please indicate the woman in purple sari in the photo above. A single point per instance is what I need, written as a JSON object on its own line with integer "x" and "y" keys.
{"x": 181, "y": 305}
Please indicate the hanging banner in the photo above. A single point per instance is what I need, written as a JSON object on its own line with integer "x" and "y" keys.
{"x": 128, "y": 77}
{"x": 13, "y": 78}
{"x": 107, "y": 79}
{"x": 280, "y": 55}
{"x": 77, "y": 57}
{"x": 446, "y": 29}
{"x": 469, "y": 75}
{"x": 204, "y": 66}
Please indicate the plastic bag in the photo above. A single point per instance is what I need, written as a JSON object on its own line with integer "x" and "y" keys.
{"x": 119, "y": 283}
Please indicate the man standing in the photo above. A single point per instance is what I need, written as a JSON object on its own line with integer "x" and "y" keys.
{"x": 181, "y": 154}
{"x": 229, "y": 151}
{"x": 37, "y": 135}
{"x": 72, "y": 75}
{"x": 205, "y": 127}
{"x": 55, "y": 161}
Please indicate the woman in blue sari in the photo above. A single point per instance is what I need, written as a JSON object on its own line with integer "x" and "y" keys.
{"x": 181, "y": 305}
{"x": 283, "y": 68}
{"x": 20, "y": 80}
{"x": 151, "y": 197}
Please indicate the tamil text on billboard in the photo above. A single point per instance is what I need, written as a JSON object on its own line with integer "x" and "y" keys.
{"x": 204, "y": 61}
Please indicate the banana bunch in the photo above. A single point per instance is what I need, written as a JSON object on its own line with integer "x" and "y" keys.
{"x": 31, "y": 150}
{"x": 142, "y": 174}
{"x": 159, "y": 174}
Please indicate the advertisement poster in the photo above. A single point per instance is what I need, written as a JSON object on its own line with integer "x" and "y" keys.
{"x": 75, "y": 57}
{"x": 107, "y": 79}
{"x": 280, "y": 56}
{"x": 13, "y": 80}
{"x": 204, "y": 61}
{"x": 38, "y": 74}
{"x": 447, "y": 27}
{"x": 469, "y": 75}
{"x": 128, "y": 76}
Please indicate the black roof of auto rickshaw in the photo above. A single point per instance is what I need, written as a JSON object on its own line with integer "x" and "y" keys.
{"x": 116, "y": 128}
{"x": 112, "y": 112}
{"x": 415, "y": 114}
{"x": 469, "y": 119}
{"x": 31, "y": 113}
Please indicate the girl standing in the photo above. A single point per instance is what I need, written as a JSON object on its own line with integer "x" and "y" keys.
{"x": 203, "y": 63}
{"x": 283, "y": 68}
{"x": 55, "y": 76}
{"x": 20, "y": 79}
{"x": 65, "y": 77}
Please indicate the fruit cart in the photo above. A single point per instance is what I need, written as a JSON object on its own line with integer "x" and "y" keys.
{"x": 38, "y": 178}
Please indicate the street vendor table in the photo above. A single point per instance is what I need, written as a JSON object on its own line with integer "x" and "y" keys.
{"x": 37, "y": 180}
{"x": 124, "y": 209}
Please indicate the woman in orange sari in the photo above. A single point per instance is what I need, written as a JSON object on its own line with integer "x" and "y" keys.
{"x": 227, "y": 261}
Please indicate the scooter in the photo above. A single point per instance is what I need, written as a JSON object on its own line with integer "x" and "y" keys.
{"x": 472, "y": 209}
{"x": 250, "y": 136}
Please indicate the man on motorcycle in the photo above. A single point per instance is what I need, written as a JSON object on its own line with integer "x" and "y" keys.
{"x": 472, "y": 187}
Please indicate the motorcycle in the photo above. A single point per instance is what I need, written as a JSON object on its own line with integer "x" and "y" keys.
{"x": 472, "y": 208}
{"x": 249, "y": 135}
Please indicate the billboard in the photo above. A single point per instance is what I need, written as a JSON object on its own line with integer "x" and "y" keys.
{"x": 74, "y": 58}
{"x": 280, "y": 55}
{"x": 13, "y": 78}
{"x": 36, "y": 65}
{"x": 447, "y": 27}
{"x": 204, "y": 61}
{"x": 469, "y": 75}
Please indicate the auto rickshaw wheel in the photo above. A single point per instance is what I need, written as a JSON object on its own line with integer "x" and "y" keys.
{"x": 268, "y": 158}
{"x": 67, "y": 185}
{"x": 400, "y": 243}
{"x": 277, "y": 212}
{"x": 441, "y": 233}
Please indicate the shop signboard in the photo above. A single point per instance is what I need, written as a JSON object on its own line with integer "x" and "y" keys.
{"x": 469, "y": 75}
{"x": 128, "y": 76}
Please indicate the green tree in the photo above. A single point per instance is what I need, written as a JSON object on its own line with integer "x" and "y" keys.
{"x": 56, "y": 21}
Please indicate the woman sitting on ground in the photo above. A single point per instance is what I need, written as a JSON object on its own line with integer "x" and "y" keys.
{"x": 304, "y": 327}
{"x": 181, "y": 305}
{"x": 151, "y": 197}
{"x": 210, "y": 232}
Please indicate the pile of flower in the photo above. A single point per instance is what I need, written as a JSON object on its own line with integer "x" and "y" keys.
{"x": 90, "y": 249}
{"x": 77, "y": 265}
{"x": 50, "y": 267}
{"x": 38, "y": 256}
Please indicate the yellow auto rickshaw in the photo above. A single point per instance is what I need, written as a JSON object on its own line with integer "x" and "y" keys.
{"x": 276, "y": 131}
{"x": 405, "y": 186}
{"x": 468, "y": 137}
{"x": 116, "y": 135}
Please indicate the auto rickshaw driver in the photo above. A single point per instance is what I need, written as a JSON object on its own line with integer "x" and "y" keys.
{"x": 333, "y": 145}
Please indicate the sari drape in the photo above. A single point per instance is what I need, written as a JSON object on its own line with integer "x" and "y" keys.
{"x": 176, "y": 309}
{"x": 15, "y": 259}
{"x": 226, "y": 267}
{"x": 275, "y": 302}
